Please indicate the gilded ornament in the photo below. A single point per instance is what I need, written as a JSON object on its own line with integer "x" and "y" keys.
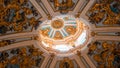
{"x": 70, "y": 30}
{"x": 57, "y": 24}
{"x": 97, "y": 58}
{"x": 58, "y": 35}
{"x": 45, "y": 32}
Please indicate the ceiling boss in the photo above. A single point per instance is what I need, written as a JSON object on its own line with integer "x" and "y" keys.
{"x": 57, "y": 24}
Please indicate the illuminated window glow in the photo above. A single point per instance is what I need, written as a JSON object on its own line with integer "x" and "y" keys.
{"x": 62, "y": 48}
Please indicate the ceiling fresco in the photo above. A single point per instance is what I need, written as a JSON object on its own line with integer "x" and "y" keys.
{"x": 18, "y": 16}
{"x": 105, "y": 53}
{"x": 21, "y": 57}
{"x": 63, "y": 5}
{"x": 59, "y": 33}
{"x": 63, "y": 26}
{"x": 105, "y": 13}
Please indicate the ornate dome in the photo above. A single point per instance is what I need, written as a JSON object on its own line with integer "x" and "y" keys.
{"x": 64, "y": 33}
{"x": 59, "y": 33}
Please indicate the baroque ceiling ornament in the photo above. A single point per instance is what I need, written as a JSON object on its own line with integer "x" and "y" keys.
{"x": 64, "y": 33}
{"x": 59, "y": 33}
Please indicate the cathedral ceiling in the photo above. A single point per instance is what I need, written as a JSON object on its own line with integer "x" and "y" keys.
{"x": 21, "y": 23}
